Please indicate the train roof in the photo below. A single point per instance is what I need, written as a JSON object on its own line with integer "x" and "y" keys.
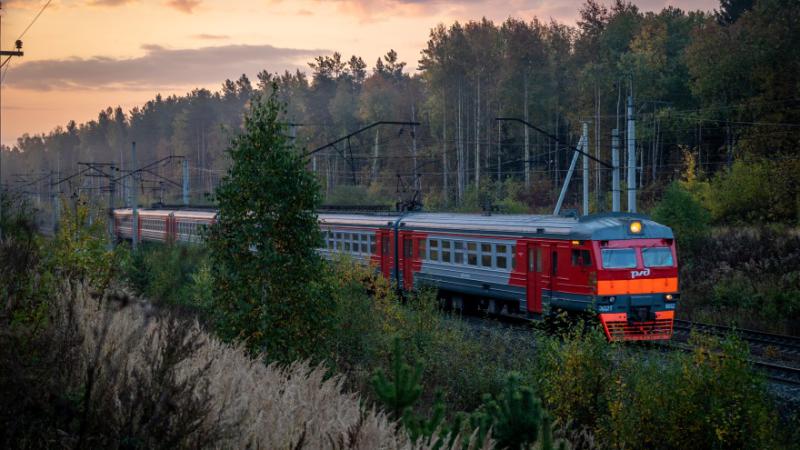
{"x": 613, "y": 226}
{"x": 610, "y": 226}
{"x": 188, "y": 213}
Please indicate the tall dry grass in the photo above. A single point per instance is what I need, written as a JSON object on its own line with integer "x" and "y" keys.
{"x": 153, "y": 380}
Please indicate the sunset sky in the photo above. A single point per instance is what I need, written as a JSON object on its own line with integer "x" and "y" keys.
{"x": 84, "y": 55}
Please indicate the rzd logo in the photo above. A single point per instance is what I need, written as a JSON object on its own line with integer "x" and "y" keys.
{"x": 640, "y": 273}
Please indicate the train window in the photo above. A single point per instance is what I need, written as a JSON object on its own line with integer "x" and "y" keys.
{"x": 364, "y": 243}
{"x": 501, "y": 256}
{"x": 619, "y": 258}
{"x": 472, "y": 253}
{"x": 347, "y": 242}
{"x": 372, "y": 244}
{"x": 539, "y": 260}
{"x": 458, "y": 252}
{"x": 434, "y": 250}
{"x": 657, "y": 257}
{"x": 581, "y": 258}
{"x": 385, "y": 246}
{"x": 446, "y": 255}
{"x": 423, "y": 253}
{"x": 486, "y": 255}
{"x": 407, "y": 248}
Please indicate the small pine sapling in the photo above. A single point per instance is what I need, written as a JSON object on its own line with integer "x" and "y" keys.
{"x": 403, "y": 389}
{"x": 516, "y": 419}
{"x": 419, "y": 426}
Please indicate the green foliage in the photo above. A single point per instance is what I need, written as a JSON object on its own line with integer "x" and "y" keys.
{"x": 746, "y": 276}
{"x": 81, "y": 249}
{"x": 574, "y": 374}
{"x": 755, "y": 192}
{"x": 710, "y": 398}
{"x": 171, "y": 274}
{"x": 403, "y": 388}
{"x": 424, "y": 427}
{"x": 266, "y": 270}
{"x": 686, "y": 216}
{"x": 355, "y": 195}
{"x": 516, "y": 418}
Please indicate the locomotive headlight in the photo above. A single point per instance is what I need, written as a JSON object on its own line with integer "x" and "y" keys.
{"x": 635, "y": 227}
{"x": 612, "y": 299}
{"x": 669, "y": 298}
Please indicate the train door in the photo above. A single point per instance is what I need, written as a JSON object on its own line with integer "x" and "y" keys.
{"x": 534, "y": 289}
{"x": 548, "y": 255}
{"x": 408, "y": 260}
{"x": 386, "y": 252}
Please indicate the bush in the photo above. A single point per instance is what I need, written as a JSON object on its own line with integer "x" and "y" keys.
{"x": 81, "y": 250}
{"x": 710, "y": 398}
{"x": 746, "y": 276}
{"x": 170, "y": 273}
{"x": 756, "y": 192}
{"x": 688, "y": 219}
{"x": 109, "y": 374}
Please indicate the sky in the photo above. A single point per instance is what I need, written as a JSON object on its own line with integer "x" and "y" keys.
{"x": 84, "y": 55}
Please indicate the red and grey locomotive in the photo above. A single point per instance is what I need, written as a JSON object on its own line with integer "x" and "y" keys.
{"x": 621, "y": 266}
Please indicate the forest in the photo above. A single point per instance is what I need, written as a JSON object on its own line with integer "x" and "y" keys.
{"x": 718, "y": 87}
{"x": 104, "y": 344}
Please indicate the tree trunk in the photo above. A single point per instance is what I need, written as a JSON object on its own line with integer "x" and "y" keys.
{"x": 445, "y": 188}
{"x": 478, "y": 138}
{"x": 527, "y": 166}
{"x": 460, "y": 151}
{"x": 375, "y": 155}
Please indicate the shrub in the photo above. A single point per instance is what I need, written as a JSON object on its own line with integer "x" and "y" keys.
{"x": 574, "y": 375}
{"x": 168, "y": 273}
{"x": 710, "y": 398}
{"x": 81, "y": 249}
{"x": 686, "y": 216}
{"x": 755, "y": 191}
{"x": 108, "y": 373}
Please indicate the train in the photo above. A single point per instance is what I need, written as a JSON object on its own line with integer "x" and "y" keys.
{"x": 622, "y": 267}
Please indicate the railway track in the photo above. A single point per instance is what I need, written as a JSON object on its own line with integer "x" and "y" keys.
{"x": 771, "y": 352}
{"x": 768, "y": 345}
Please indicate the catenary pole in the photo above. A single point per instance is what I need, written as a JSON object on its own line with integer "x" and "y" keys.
{"x": 135, "y": 199}
{"x": 585, "y": 140}
{"x": 615, "y": 188}
{"x": 631, "y": 138}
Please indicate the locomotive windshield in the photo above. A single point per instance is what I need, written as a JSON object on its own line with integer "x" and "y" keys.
{"x": 619, "y": 258}
{"x": 657, "y": 257}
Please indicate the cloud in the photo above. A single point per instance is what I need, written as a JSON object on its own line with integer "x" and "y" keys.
{"x": 185, "y": 6}
{"x": 563, "y": 10}
{"x": 109, "y": 2}
{"x": 211, "y": 37}
{"x": 158, "y": 68}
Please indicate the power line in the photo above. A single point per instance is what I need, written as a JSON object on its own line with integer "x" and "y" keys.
{"x": 34, "y": 19}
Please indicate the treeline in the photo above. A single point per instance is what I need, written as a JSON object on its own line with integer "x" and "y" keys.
{"x": 722, "y": 86}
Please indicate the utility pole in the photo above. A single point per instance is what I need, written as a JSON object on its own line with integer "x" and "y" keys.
{"x": 111, "y": 193}
{"x": 631, "y": 137}
{"x": 585, "y": 140}
{"x": 185, "y": 166}
{"x": 615, "y": 194}
{"x": 135, "y": 199}
{"x": 417, "y": 181}
{"x": 8, "y": 55}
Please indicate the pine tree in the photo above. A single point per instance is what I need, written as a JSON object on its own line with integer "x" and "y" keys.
{"x": 263, "y": 243}
{"x": 403, "y": 389}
